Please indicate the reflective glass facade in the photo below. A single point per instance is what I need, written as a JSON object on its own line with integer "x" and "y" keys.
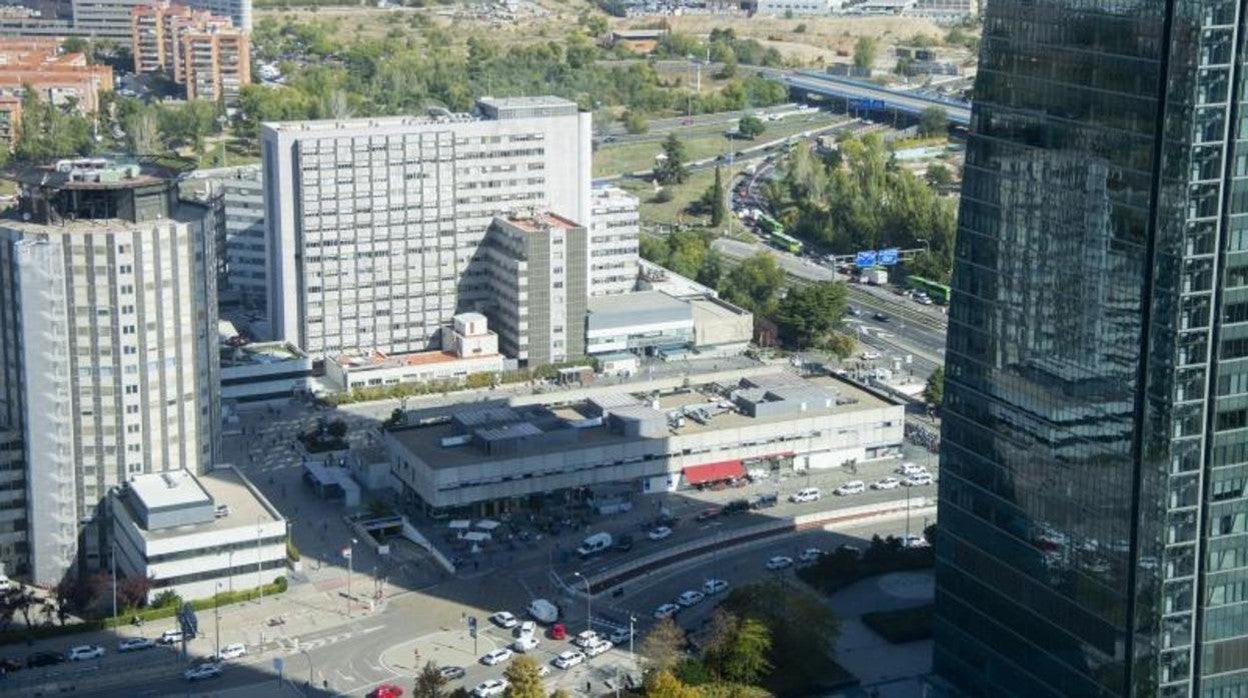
{"x": 1094, "y": 523}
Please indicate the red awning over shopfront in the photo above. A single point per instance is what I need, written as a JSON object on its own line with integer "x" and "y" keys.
{"x": 712, "y": 472}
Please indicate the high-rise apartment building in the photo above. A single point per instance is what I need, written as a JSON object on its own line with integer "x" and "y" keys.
{"x": 108, "y": 353}
{"x": 199, "y": 50}
{"x": 105, "y": 19}
{"x": 535, "y": 265}
{"x": 613, "y": 242}
{"x": 375, "y": 226}
{"x": 1093, "y": 534}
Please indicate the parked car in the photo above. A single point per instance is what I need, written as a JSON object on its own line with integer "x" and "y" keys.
{"x": 490, "y": 687}
{"x": 558, "y": 631}
{"x": 44, "y": 659}
{"x": 494, "y": 657}
{"x": 886, "y": 483}
{"x": 920, "y": 480}
{"x": 764, "y": 501}
{"x": 585, "y": 638}
{"x": 527, "y": 627}
{"x": 620, "y": 636}
{"x": 170, "y": 636}
{"x": 451, "y": 673}
{"x": 503, "y": 619}
{"x": 84, "y": 652}
{"x": 913, "y": 540}
{"x": 543, "y": 670}
{"x": 569, "y": 659}
{"x": 707, "y": 514}
{"x": 870, "y": 355}
{"x": 624, "y": 543}
{"x": 810, "y": 555}
{"x": 233, "y": 651}
{"x": 910, "y": 469}
{"x": 526, "y": 643}
{"x": 201, "y": 672}
{"x": 690, "y": 598}
{"x": 659, "y": 533}
{"x": 779, "y": 562}
{"x": 714, "y": 586}
{"x": 387, "y": 690}
{"x": 598, "y": 648}
{"x": 134, "y": 644}
{"x": 736, "y": 506}
{"x": 853, "y": 487}
{"x": 667, "y": 610}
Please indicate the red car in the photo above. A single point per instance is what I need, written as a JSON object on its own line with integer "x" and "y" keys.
{"x": 387, "y": 690}
{"x": 558, "y": 632}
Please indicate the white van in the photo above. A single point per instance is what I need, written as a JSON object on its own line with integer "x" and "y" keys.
{"x": 809, "y": 494}
{"x": 597, "y": 543}
{"x": 853, "y": 487}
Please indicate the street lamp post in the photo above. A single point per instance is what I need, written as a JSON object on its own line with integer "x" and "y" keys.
{"x": 589, "y": 602}
{"x": 112, "y": 562}
{"x": 216, "y": 614}
{"x": 350, "y": 569}
{"x": 259, "y": 572}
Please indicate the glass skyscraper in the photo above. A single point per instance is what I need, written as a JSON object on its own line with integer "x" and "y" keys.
{"x": 1093, "y": 511}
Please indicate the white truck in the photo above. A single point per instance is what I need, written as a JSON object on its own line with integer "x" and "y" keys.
{"x": 876, "y": 276}
{"x": 595, "y": 544}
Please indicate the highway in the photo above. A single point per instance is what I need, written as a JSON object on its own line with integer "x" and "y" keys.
{"x": 908, "y": 102}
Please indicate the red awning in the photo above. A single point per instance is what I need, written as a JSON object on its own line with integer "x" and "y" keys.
{"x": 710, "y": 472}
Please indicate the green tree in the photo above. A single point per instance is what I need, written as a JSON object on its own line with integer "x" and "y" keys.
{"x": 711, "y": 273}
{"x": 671, "y": 169}
{"x": 523, "y": 680}
{"x": 864, "y": 52}
{"x": 635, "y": 123}
{"x": 717, "y": 199}
{"x": 934, "y": 391}
{"x": 754, "y": 283}
{"x": 76, "y": 44}
{"x": 802, "y": 628}
{"x": 747, "y": 655}
{"x": 807, "y": 314}
{"x": 750, "y": 127}
{"x": 664, "y": 645}
{"x": 48, "y": 132}
{"x": 938, "y": 175}
{"x": 664, "y": 684}
{"x": 933, "y": 120}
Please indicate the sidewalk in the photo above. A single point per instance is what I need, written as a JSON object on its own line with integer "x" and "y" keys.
{"x": 893, "y": 670}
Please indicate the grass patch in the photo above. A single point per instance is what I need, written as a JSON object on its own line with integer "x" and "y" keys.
{"x": 902, "y": 625}
{"x": 673, "y": 211}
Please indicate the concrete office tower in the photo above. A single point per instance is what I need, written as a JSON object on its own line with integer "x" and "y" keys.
{"x": 536, "y": 270}
{"x": 613, "y": 242}
{"x": 112, "y": 368}
{"x": 375, "y": 225}
{"x": 1093, "y": 505}
{"x": 245, "y": 246}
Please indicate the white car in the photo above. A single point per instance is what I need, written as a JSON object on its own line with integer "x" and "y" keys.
{"x": 690, "y": 598}
{"x": 170, "y": 636}
{"x": 585, "y": 638}
{"x": 619, "y": 637}
{"x": 233, "y": 651}
{"x": 855, "y": 487}
{"x": 886, "y": 483}
{"x": 528, "y": 627}
{"x": 598, "y": 648}
{"x": 910, "y": 469}
{"x": 667, "y": 610}
{"x": 201, "y": 672}
{"x": 659, "y": 533}
{"x": 779, "y": 562}
{"x": 569, "y": 659}
{"x": 525, "y": 643}
{"x": 490, "y": 687}
{"x": 810, "y": 555}
{"x": 503, "y": 619}
{"x": 543, "y": 670}
{"x": 494, "y": 657}
{"x": 757, "y": 474}
{"x": 135, "y": 643}
{"x": 913, "y": 541}
{"x": 917, "y": 480}
{"x": 870, "y": 355}
{"x": 81, "y": 652}
{"x": 714, "y": 586}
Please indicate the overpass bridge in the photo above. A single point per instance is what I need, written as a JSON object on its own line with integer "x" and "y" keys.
{"x": 873, "y": 96}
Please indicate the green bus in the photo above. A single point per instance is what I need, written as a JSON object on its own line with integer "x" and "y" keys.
{"x": 788, "y": 243}
{"x": 937, "y": 292}
{"x": 769, "y": 225}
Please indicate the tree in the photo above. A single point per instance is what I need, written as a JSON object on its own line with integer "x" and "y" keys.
{"x": 754, "y": 283}
{"x": 664, "y": 645}
{"x": 806, "y": 314}
{"x": 143, "y": 132}
{"x": 934, "y": 391}
{"x": 663, "y": 684}
{"x": 523, "y": 680}
{"x": 864, "y": 52}
{"x": 751, "y": 127}
{"x": 933, "y": 120}
{"x": 132, "y": 591}
{"x": 719, "y": 639}
{"x": 48, "y": 132}
{"x": 747, "y": 654}
{"x": 430, "y": 683}
{"x": 76, "y": 44}
{"x": 560, "y": 693}
{"x": 671, "y": 168}
{"x": 337, "y": 429}
{"x": 634, "y": 123}
{"x": 938, "y": 175}
{"x": 716, "y": 195}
